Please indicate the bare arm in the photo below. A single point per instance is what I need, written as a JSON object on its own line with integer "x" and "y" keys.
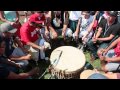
{"x": 113, "y": 44}
{"x": 17, "y": 18}
{"x": 26, "y": 75}
{"x": 98, "y": 32}
{"x": 33, "y": 45}
{"x": 106, "y": 38}
{"x": 27, "y": 57}
{"x": 9, "y": 62}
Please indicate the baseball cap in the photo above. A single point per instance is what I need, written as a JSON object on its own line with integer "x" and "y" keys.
{"x": 7, "y": 27}
{"x": 91, "y": 74}
{"x": 37, "y": 18}
{"x": 113, "y": 13}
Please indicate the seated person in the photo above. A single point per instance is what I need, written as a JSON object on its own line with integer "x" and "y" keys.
{"x": 6, "y": 33}
{"x": 108, "y": 29}
{"x": 86, "y": 26}
{"x": 112, "y": 56}
{"x": 58, "y": 23}
{"x": 30, "y": 35}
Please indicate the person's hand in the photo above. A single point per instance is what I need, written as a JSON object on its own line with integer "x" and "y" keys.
{"x": 105, "y": 51}
{"x": 12, "y": 23}
{"x": 18, "y": 66}
{"x": 108, "y": 59}
{"x": 76, "y": 35}
{"x": 42, "y": 48}
{"x": 63, "y": 34}
{"x": 47, "y": 33}
{"x": 28, "y": 56}
{"x": 94, "y": 40}
{"x": 16, "y": 20}
{"x": 102, "y": 58}
{"x": 86, "y": 34}
{"x": 25, "y": 50}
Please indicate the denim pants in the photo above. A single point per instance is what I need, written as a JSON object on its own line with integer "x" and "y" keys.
{"x": 93, "y": 47}
{"x": 112, "y": 66}
{"x": 73, "y": 25}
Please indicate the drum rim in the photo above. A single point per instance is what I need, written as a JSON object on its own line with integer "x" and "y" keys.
{"x": 68, "y": 71}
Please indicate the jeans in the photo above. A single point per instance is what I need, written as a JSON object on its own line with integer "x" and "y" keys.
{"x": 93, "y": 48}
{"x": 73, "y": 25}
{"x": 112, "y": 66}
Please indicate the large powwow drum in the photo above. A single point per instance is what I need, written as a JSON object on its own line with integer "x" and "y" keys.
{"x": 67, "y": 62}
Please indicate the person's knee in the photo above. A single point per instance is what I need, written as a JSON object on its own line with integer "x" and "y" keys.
{"x": 90, "y": 43}
{"x": 103, "y": 67}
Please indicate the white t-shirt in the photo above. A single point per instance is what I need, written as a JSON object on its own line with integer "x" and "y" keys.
{"x": 74, "y": 15}
{"x": 86, "y": 22}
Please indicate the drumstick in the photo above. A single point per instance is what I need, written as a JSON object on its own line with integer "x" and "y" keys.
{"x": 56, "y": 60}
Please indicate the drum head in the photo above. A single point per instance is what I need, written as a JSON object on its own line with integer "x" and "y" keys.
{"x": 71, "y": 59}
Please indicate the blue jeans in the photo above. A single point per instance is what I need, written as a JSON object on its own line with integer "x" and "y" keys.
{"x": 73, "y": 25}
{"x": 112, "y": 66}
{"x": 93, "y": 47}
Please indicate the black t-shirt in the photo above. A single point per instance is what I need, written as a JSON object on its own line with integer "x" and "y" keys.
{"x": 9, "y": 44}
{"x": 60, "y": 17}
{"x": 114, "y": 29}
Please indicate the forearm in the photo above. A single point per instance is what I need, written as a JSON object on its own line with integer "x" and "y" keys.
{"x": 113, "y": 44}
{"x": 51, "y": 29}
{"x": 104, "y": 39}
{"x": 78, "y": 26}
{"x": 17, "y": 14}
{"x": 10, "y": 63}
{"x": 64, "y": 28}
{"x": 13, "y": 75}
{"x": 98, "y": 33}
{"x": 90, "y": 28}
{"x": 111, "y": 76}
{"x": 115, "y": 59}
{"x": 33, "y": 45}
{"x": 19, "y": 58}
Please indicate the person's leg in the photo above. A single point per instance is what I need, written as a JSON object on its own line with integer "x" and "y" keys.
{"x": 59, "y": 32}
{"x": 112, "y": 67}
{"x": 112, "y": 75}
{"x": 103, "y": 46}
{"x": 110, "y": 53}
{"x": 42, "y": 53}
{"x": 18, "y": 52}
{"x": 73, "y": 25}
{"x": 93, "y": 48}
{"x": 26, "y": 75}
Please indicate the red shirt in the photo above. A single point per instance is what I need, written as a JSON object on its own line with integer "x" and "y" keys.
{"x": 28, "y": 33}
{"x": 117, "y": 49}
